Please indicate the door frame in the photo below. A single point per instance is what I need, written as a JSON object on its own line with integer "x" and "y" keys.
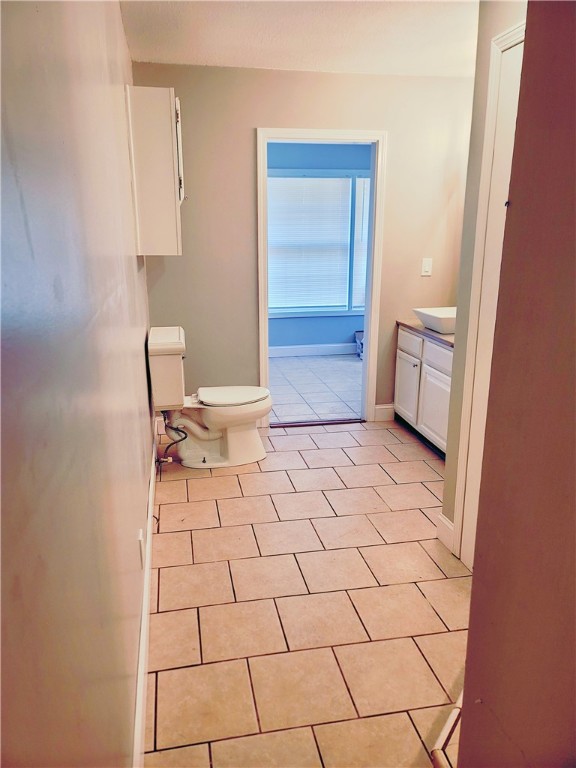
{"x": 378, "y": 140}
{"x": 473, "y": 402}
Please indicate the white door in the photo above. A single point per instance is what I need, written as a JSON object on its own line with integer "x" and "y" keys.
{"x": 489, "y": 239}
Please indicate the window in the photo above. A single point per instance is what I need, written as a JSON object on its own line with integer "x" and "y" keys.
{"x": 318, "y": 229}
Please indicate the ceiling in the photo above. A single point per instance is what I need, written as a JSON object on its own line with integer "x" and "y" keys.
{"x": 390, "y": 37}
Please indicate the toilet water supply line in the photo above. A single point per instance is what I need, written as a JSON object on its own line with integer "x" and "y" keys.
{"x": 178, "y": 430}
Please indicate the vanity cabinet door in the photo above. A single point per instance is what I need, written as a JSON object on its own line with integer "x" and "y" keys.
{"x": 433, "y": 406}
{"x": 407, "y": 386}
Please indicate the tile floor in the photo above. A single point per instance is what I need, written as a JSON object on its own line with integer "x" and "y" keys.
{"x": 303, "y": 612}
{"x": 315, "y": 388}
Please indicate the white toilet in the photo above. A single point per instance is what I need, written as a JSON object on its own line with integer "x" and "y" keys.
{"x": 220, "y": 423}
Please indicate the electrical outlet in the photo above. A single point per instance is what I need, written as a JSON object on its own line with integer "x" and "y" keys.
{"x": 426, "y": 267}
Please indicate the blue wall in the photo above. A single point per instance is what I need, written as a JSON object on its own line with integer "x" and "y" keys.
{"x": 294, "y": 331}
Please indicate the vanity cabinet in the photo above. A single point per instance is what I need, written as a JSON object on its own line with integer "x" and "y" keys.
{"x": 157, "y": 173}
{"x": 422, "y": 385}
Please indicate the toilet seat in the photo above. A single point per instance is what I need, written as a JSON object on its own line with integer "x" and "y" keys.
{"x": 230, "y": 396}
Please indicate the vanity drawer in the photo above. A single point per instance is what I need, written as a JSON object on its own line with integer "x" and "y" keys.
{"x": 438, "y": 357}
{"x": 410, "y": 343}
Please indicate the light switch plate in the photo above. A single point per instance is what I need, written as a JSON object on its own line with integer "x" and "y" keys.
{"x": 426, "y": 267}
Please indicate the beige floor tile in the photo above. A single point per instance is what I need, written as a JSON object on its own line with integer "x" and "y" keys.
{"x": 227, "y": 543}
{"x": 189, "y": 586}
{"x": 266, "y": 483}
{"x": 412, "y": 452}
{"x": 340, "y": 439}
{"x": 400, "y": 563}
{"x": 404, "y": 525}
{"x": 242, "y": 469}
{"x": 237, "y": 630}
{"x": 191, "y": 757}
{"x": 407, "y": 496}
{"x": 153, "y": 590}
{"x": 171, "y": 549}
{"x": 268, "y": 447}
{"x": 429, "y": 723}
{"x": 403, "y": 434}
{"x": 295, "y": 748}
{"x": 446, "y": 654}
{"x": 299, "y": 688}
{"x": 375, "y": 437}
{"x": 186, "y": 517}
{"x": 282, "y": 460}
{"x": 261, "y": 577}
{"x": 326, "y": 457}
{"x": 292, "y": 442}
{"x": 311, "y": 429}
{"x": 356, "y": 501}
{"x": 371, "y": 454}
{"x": 451, "y": 599}
{"x": 437, "y": 488}
{"x": 395, "y": 611}
{"x": 432, "y": 513}
{"x": 387, "y": 741}
{"x": 243, "y": 511}
{"x": 388, "y": 676}
{"x": 213, "y": 488}
{"x": 285, "y": 537}
{"x": 349, "y": 531}
{"x": 150, "y": 711}
{"x": 335, "y": 570}
{"x": 343, "y": 427}
{"x": 314, "y": 621}
{"x": 364, "y": 476}
{"x": 173, "y": 470}
{"x": 412, "y": 472}
{"x": 174, "y": 640}
{"x": 451, "y": 752}
{"x": 172, "y": 492}
{"x": 379, "y": 424}
{"x": 209, "y": 702}
{"x": 444, "y": 559}
{"x": 298, "y": 506}
{"x": 267, "y": 431}
{"x": 315, "y": 479}
{"x": 438, "y": 465}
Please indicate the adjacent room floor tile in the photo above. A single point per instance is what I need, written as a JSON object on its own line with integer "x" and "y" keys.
{"x": 198, "y": 704}
{"x": 295, "y": 748}
{"x": 399, "y": 610}
{"x": 387, "y": 741}
{"x": 400, "y": 563}
{"x": 228, "y": 543}
{"x": 251, "y": 509}
{"x": 388, "y": 676}
{"x": 303, "y": 505}
{"x": 285, "y": 537}
{"x": 185, "y": 517}
{"x": 174, "y": 640}
{"x": 364, "y": 476}
{"x": 171, "y": 549}
{"x": 405, "y": 525}
{"x": 335, "y": 570}
{"x": 446, "y": 655}
{"x": 260, "y": 577}
{"x": 299, "y": 688}
{"x": 191, "y": 757}
{"x": 237, "y": 630}
{"x": 313, "y": 621}
{"x": 407, "y": 496}
{"x": 349, "y": 531}
{"x": 451, "y": 598}
{"x": 213, "y": 488}
{"x": 315, "y": 479}
{"x": 188, "y": 586}
{"x": 266, "y": 483}
{"x": 356, "y": 501}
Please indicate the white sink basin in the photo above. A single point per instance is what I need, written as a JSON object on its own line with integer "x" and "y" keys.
{"x": 439, "y": 319}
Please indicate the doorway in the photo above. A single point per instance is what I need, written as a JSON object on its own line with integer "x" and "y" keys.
{"x": 320, "y": 248}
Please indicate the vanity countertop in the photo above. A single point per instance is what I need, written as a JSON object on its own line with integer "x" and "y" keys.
{"x": 447, "y": 339}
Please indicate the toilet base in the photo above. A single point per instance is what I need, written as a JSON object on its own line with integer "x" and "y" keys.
{"x": 238, "y": 445}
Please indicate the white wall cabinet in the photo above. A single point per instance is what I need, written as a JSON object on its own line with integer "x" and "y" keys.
{"x": 157, "y": 173}
{"x": 422, "y": 391}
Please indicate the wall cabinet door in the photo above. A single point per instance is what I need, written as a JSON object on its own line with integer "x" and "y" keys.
{"x": 433, "y": 406}
{"x": 407, "y": 386}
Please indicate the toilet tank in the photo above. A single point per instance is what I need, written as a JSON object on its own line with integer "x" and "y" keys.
{"x": 166, "y": 347}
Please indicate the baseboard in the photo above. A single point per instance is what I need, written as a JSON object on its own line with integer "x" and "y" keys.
{"x": 384, "y": 412}
{"x": 445, "y": 531}
{"x": 301, "y": 350}
{"x": 142, "y": 674}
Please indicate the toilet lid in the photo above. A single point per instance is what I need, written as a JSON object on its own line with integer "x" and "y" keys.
{"x": 231, "y": 395}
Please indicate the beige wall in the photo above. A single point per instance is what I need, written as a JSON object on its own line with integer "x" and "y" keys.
{"x": 494, "y": 18}
{"x": 76, "y": 437}
{"x": 212, "y": 290}
{"x": 519, "y": 695}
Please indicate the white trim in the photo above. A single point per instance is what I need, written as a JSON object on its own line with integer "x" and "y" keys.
{"x": 300, "y": 350}
{"x": 445, "y": 531}
{"x": 378, "y": 140}
{"x": 384, "y": 412}
{"x": 142, "y": 673}
{"x": 500, "y": 44}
